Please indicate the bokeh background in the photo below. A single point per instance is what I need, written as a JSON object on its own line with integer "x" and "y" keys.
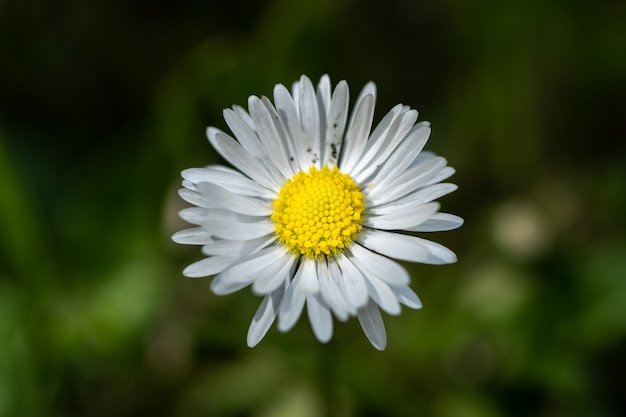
{"x": 103, "y": 103}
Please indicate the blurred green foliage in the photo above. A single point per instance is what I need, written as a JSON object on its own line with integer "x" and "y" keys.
{"x": 103, "y": 103}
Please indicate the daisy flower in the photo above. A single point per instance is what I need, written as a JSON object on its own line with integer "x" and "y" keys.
{"x": 316, "y": 206}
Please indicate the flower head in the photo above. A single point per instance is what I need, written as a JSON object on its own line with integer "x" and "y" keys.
{"x": 315, "y": 207}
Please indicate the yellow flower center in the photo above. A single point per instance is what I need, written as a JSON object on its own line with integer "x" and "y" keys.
{"x": 318, "y": 213}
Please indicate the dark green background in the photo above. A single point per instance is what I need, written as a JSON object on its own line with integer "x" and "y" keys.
{"x": 103, "y": 103}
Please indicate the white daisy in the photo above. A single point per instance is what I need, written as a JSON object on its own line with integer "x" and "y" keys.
{"x": 315, "y": 208}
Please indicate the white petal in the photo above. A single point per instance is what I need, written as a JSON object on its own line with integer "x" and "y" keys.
{"x": 292, "y": 304}
{"x": 368, "y": 89}
{"x": 208, "y": 266}
{"x": 373, "y": 264}
{"x": 392, "y": 244}
{"x": 439, "y": 222}
{"x": 229, "y": 179}
{"x": 410, "y": 180}
{"x": 244, "y": 132}
{"x": 270, "y": 279}
{"x": 407, "y": 297}
{"x": 336, "y": 123}
{"x": 295, "y": 93}
{"x": 310, "y": 120}
{"x": 380, "y": 147}
{"x": 231, "y": 201}
{"x": 438, "y": 254}
{"x": 417, "y": 198}
{"x": 323, "y": 94}
{"x": 405, "y": 247}
{"x": 209, "y": 217}
{"x": 240, "y": 158}
{"x": 358, "y": 132}
{"x": 320, "y": 318}
{"x": 395, "y": 245}
{"x": 445, "y": 173}
{"x": 220, "y": 286}
{"x": 263, "y": 114}
{"x": 389, "y": 122}
{"x": 402, "y": 219}
{"x": 323, "y": 102}
{"x": 414, "y": 199}
{"x": 383, "y": 295}
{"x": 356, "y": 156}
{"x": 373, "y": 326}
{"x": 423, "y": 156}
{"x": 285, "y": 140}
{"x": 194, "y": 236}
{"x": 288, "y": 113}
{"x": 195, "y": 198}
{"x": 239, "y": 229}
{"x": 330, "y": 291}
{"x": 195, "y": 215}
{"x": 442, "y": 175}
{"x": 235, "y": 248}
{"x": 403, "y": 155}
{"x": 200, "y": 215}
{"x": 265, "y": 316}
{"x": 352, "y": 283}
{"x": 243, "y": 114}
{"x": 254, "y": 266}
{"x": 308, "y": 273}
{"x": 189, "y": 185}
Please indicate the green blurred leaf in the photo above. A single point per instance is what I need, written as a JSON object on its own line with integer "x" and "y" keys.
{"x": 22, "y": 234}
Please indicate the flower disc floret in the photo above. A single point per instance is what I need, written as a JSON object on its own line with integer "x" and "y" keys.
{"x": 318, "y": 213}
